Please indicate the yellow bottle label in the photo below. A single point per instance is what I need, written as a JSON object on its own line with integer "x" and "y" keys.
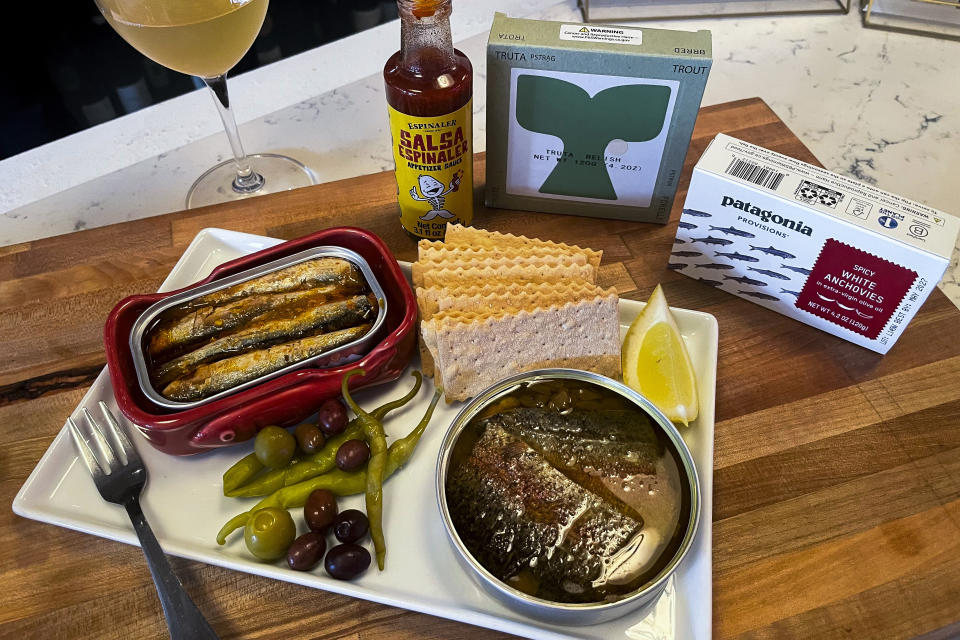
{"x": 434, "y": 159}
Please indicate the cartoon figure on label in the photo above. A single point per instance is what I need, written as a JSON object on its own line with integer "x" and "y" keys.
{"x": 433, "y": 192}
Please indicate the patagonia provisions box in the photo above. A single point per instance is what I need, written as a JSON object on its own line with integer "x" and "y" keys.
{"x": 819, "y": 247}
{"x": 590, "y": 120}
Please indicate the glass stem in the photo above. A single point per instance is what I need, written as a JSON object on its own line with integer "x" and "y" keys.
{"x": 247, "y": 180}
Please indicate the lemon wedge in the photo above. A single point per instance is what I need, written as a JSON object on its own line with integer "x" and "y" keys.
{"x": 656, "y": 363}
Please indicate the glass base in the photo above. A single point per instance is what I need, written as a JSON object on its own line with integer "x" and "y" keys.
{"x": 280, "y": 173}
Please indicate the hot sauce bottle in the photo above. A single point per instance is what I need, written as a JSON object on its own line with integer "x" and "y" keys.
{"x": 430, "y": 99}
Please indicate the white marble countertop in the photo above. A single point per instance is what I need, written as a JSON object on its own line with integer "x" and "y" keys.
{"x": 878, "y": 106}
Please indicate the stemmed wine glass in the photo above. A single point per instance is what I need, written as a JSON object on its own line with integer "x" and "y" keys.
{"x": 206, "y": 38}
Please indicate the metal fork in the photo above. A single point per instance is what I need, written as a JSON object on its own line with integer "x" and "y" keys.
{"x": 120, "y": 475}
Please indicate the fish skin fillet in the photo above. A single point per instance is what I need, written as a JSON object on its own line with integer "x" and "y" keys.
{"x": 327, "y": 317}
{"x": 208, "y": 379}
{"x": 206, "y": 316}
{"x": 517, "y": 513}
{"x": 303, "y": 275}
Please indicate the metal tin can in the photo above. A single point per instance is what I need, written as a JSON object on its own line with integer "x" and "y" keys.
{"x": 283, "y": 400}
{"x": 347, "y": 353}
{"x": 557, "y": 612}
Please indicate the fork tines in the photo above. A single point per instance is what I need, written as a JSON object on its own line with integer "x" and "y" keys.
{"x": 117, "y": 445}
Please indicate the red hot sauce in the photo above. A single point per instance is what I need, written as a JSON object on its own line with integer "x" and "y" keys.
{"x": 430, "y": 99}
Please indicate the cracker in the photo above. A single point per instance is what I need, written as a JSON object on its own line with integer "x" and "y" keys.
{"x": 461, "y": 236}
{"x": 502, "y": 270}
{"x": 500, "y": 294}
{"x": 428, "y": 253}
{"x": 511, "y": 297}
{"x": 477, "y": 277}
{"x": 507, "y": 267}
{"x": 428, "y": 347}
{"x": 464, "y": 260}
{"x": 471, "y": 351}
{"x": 479, "y": 307}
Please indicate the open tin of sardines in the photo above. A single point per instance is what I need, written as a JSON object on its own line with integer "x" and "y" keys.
{"x": 567, "y": 495}
{"x": 263, "y": 340}
{"x": 339, "y": 318}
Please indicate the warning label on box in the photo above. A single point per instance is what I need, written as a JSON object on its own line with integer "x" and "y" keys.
{"x": 615, "y": 35}
{"x": 854, "y": 289}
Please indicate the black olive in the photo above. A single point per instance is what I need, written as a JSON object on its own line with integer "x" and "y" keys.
{"x": 332, "y": 417}
{"x": 306, "y": 551}
{"x": 309, "y": 437}
{"x": 350, "y": 525}
{"x": 352, "y": 455}
{"x": 320, "y": 510}
{"x": 346, "y": 561}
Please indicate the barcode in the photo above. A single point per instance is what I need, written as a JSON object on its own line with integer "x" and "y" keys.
{"x": 767, "y": 178}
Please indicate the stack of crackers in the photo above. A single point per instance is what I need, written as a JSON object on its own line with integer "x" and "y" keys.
{"x": 493, "y": 305}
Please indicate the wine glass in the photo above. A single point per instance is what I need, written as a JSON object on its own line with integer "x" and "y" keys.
{"x": 206, "y": 38}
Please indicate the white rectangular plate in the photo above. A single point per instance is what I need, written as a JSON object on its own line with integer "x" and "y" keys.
{"x": 185, "y": 507}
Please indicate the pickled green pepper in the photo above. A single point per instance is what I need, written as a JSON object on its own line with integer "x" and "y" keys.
{"x": 342, "y": 483}
{"x": 377, "y": 441}
{"x": 241, "y": 480}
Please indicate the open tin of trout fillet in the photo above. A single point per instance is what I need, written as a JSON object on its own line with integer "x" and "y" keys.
{"x": 284, "y": 397}
{"x": 561, "y": 612}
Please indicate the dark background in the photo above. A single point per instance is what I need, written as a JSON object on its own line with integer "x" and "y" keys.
{"x": 65, "y": 69}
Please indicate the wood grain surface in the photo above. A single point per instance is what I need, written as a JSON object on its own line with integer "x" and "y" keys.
{"x": 837, "y": 470}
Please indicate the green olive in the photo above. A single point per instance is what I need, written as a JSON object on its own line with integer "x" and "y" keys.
{"x": 269, "y": 533}
{"x": 274, "y": 447}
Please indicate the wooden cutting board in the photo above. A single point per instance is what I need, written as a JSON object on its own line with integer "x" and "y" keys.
{"x": 837, "y": 471}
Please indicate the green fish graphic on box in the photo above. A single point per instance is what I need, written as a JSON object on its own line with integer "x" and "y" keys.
{"x": 632, "y": 113}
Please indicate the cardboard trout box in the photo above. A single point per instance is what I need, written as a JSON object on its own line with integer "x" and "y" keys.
{"x": 590, "y": 120}
{"x": 813, "y": 245}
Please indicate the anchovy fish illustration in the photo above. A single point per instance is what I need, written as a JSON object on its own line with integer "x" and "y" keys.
{"x": 757, "y": 294}
{"x": 805, "y": 272}
{"x": 679, "y": 241}
{"x": 772, "y": 274}
{"x": 712, "y": 283}
{"x": 773, "y": 252}
{"x": 676, "y": 266}
{"x": 715, "y": 266}
{"x": 687, "y": 254}
{"x": 697, "y": 214}
{"x": 793, "y": 293}
{"x": 687, "y": 225}
{"x": 737, "y": 256}
{"x": 732, "y": 231}
{"x": 746, "y": 280}
{"x": 711, "y": 240}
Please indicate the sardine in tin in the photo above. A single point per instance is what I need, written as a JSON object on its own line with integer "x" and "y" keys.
{"x": 285, "y": 397}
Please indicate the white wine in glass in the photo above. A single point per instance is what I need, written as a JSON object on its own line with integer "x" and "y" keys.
{"x": 206, "y": 38}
